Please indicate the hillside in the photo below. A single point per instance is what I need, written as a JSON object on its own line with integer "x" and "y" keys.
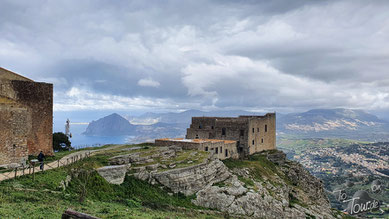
{"x": 338, "y": 161}
{"x": 334, "y": 123}
{"x": 266, "y": 186}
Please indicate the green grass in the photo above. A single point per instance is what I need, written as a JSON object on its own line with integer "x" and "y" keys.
{"x": 259, "y": 165}
{"x": 90, "y": 193}
{"x": 246, "y": 181}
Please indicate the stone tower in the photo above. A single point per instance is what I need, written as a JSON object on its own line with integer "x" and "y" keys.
{"x": 252, "y": 133}
{"x": 26, "y": 117}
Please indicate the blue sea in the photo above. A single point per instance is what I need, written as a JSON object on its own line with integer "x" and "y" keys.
{"x": 80, "y": 141}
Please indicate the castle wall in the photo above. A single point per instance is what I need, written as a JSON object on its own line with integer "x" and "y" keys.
{"x": 239, "y": 129}
{"x": 37, "y": 99}
{"x": 15, "y": 125}
{"x": 262, "y": 132}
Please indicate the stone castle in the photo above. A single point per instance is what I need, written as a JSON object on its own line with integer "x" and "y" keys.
{"x": 26, "y": 117}
{"x": 229, "y": 137}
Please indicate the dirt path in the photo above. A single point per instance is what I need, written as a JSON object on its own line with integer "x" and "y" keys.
{"x": 64, "y": 161}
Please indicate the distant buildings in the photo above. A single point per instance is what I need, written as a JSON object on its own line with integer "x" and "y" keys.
{"x": 26, "y": 117}
{"x": 248, "y": 134}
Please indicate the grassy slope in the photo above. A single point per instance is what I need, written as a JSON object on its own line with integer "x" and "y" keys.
{"x": 43, "y": 198}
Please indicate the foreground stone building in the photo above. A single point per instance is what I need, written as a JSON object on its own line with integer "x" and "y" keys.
{"x": 228, "y": 137}
{"x": 26, "y": 117}
{"x": 251, "y": 133}
{"x": 222, "y": 149}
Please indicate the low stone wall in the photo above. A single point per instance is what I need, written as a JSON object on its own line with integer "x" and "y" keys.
{"x": 221, "y": 148}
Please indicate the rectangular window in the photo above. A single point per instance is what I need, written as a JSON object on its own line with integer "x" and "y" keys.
{"x": 216, "y": 150}
{"x": 253, "y": 130}
{"x": 241, "y": 132}
{"x": 262, "y": 140}
{"x": 226, "y": 153}
{"x": 223, "y": 131}
{"x": 265, "y": 128}
{"x": 211, "y": 127}
{"x": 253, "y": 142}
{"x": 206, "y": 148}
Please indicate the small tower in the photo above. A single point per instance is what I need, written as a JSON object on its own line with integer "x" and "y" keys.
{"x": 67, "y": 129}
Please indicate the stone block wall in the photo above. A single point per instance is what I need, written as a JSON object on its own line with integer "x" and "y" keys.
{"x": 24, "y": 103}
{"x": 220, "y": 148}
{"x": 15, "y": 125}
{"x": 262, "y": 133}
{"x": 239, "y": 129}
{"x": 38, "y": 97}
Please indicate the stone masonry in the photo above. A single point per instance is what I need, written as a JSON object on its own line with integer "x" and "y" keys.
{"x": 26, "y": 117}
{"x": 221, "y": 149}
{"x": 252, "y": 133}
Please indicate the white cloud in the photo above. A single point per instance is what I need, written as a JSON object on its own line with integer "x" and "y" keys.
{"x": 306, "y": 55}
{"x": 148, "y": 82}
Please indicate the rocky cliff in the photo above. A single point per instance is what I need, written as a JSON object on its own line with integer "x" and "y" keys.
{"x": 266, "y": 185}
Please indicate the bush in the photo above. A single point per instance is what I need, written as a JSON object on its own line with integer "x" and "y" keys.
{"x": 61, "y": 142}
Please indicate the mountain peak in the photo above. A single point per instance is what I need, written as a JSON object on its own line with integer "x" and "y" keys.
{"x": 111, "y": 125}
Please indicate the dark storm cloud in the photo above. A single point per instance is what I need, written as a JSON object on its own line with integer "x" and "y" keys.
{"x": 201, "y": 54}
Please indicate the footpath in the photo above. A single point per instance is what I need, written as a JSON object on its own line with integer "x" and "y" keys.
{"x": 64, "y": 161}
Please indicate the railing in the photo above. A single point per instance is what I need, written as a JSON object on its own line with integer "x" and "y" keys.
{"x": 34, "y": 166}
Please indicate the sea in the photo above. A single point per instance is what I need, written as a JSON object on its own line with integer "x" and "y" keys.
{"x": 79, "y": 140}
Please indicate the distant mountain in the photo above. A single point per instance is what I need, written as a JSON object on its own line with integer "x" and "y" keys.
{"x": 184, "y": 117}
{"x": 112, "y": 125}
{"x": 339, "y": 123}
{"x": 152, "y": 125}
{"x": 316, "y": 123}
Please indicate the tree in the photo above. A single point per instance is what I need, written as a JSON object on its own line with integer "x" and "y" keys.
{"x": 61, "y": 142}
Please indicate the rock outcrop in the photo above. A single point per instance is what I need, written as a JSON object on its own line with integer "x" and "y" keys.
{"x": 267, "y": 185}
{"x": 191, "y": 179}
{"x": 113, "y": 174}
{"x": 269, "y": 198}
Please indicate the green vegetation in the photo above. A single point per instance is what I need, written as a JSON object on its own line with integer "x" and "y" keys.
{"x": 259, "y": 165}
{"x": 61, "y": 142}
{"x": 246, "y": 181}
{"x": 88, "y": 192}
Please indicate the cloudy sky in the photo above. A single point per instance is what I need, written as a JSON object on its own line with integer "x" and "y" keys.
{"x": 172, "y": 55}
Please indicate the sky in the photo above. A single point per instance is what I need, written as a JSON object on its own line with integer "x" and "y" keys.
{"x": 173, "y": 55}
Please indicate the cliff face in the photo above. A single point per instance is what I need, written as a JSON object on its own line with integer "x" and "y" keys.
{"x": 264, "y": 186}
{"x": 267, "y": 189}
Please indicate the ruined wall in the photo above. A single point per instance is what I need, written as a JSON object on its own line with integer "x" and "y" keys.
{"x": 15, "y": 125}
